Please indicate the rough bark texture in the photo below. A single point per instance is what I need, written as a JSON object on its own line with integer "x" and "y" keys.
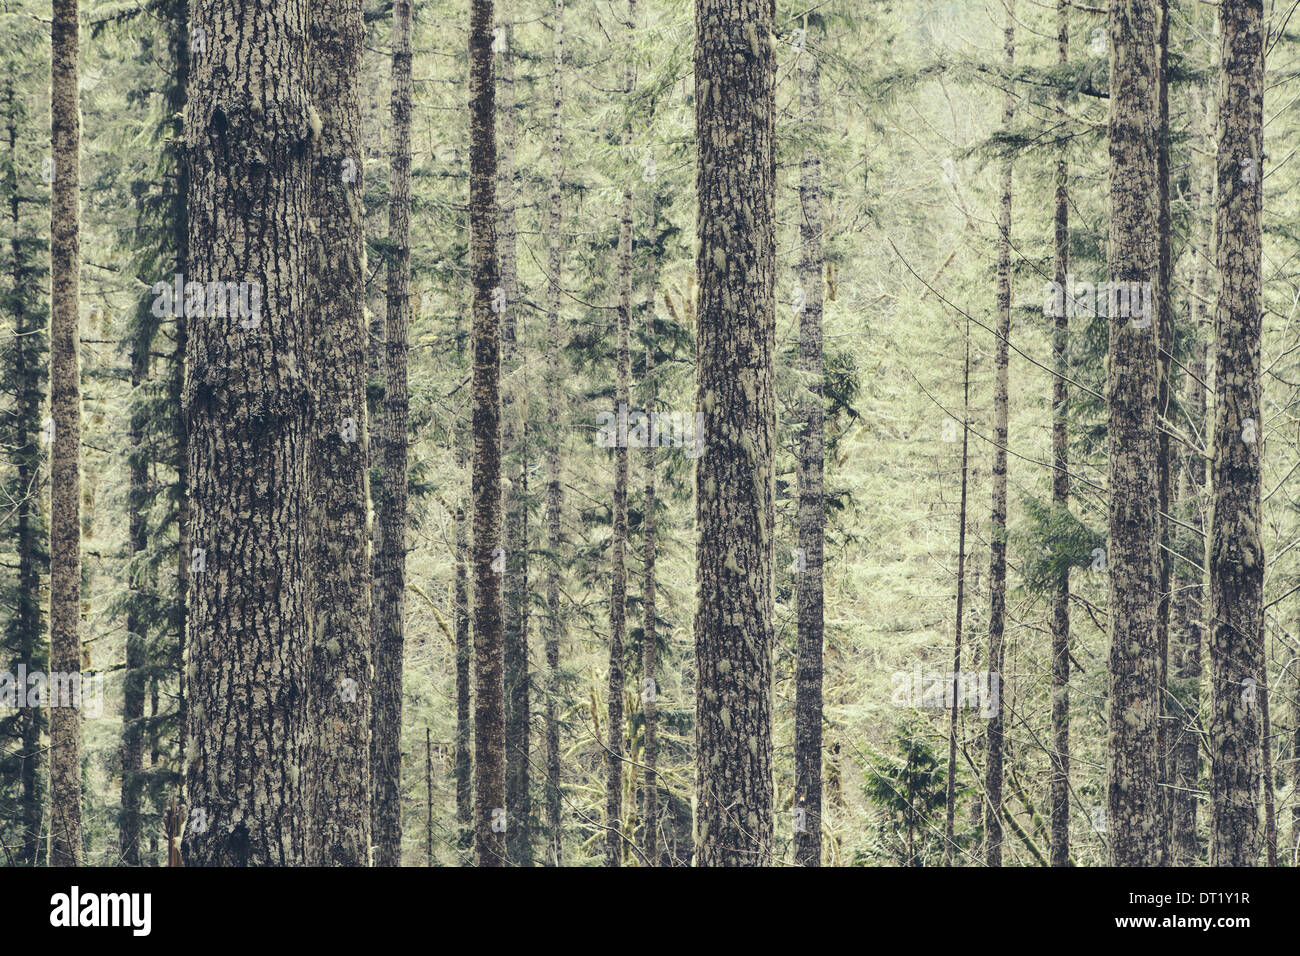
{"x": 133, "y": 680}
{"x": 812, "y": 507}
{"x": 1133, "y": 558}
{"x": 515, "y": 490}
{"x": 618, "y": 543}
{"x": 489, "y": 663}
{"x": 554, "y": 490}
{"x": 464, "y": 658}
{"x": 1236, "y": 554}
{"x": 390, "y": 553}
{"x": 248, "y": 633}
{"x": 735, "y": 189}
{"x": 341, "y": 692}
{"x": 65, "y": 459}
{"x": 1060, "y": 772}
{"x": 998, "y": 533}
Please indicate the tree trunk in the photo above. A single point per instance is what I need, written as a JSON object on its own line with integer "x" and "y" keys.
{"x": 618, "y": 544}
{"x": 247, "y": 395}
{"x": 1060, "y": 773}
{"x": 464, "y": 656}
{"x": 1236, "y": 554}
{"x": 735, "y": 262}
{"x": 65, "y": 460}
{"x": 1133, "y": 559}
{"x": 390, "y": 555}
{"x": 649, "y": 596}
{"x": 812, "y": 507}
{"x": 514, "y": 455}
{"x": 554, "y": 492}
{"x": 133, "y": 680}
{"x": 489, "y": 662}
{"x": 998, "y": 534}
{"x": 341, "y": 710}
{"x": 950, "y": 815}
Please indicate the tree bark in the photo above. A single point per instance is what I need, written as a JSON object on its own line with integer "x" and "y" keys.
{"x": 489, "y": 663}
{"x": 515, "y": 491}
{"x": 65, "y": 460}
{"x": 1060, "y": 773}
{"x": 735, "y": 262}
{"x": 390, "y": 555}
{"x": 618, "y": 543}
{"x": 998, "y": 534}
{"x": 812, "y": 506}
{"x": 341, "y": 711}
{"x": 1236, "y": 554}
{"x": 950, "y": 802}
{"x": 554, "y": 490}
{"x": 1131, "y": 384}
{"x": 247, "y": 394}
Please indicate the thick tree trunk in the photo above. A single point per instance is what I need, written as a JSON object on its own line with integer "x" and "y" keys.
{"x": 812, "y": 507}
{"x": 735, "y": 262}
{"x": 1236, "y": 553}
{"x": 65, "y": 460}
{"x": 489, "y": 558}
{"x": 618, "y": 544}
{"x": 464, "y": 657}
{"x": 515, "y": 491}
{"x": 248, "y": 641}
{"x": 1060, "y": 773}
{"x": 341, "y": 704}
{"x": 390, "y": 555}
{"x": 998, "y": 534}
{"x": 1133, "y": 558}
{"x": 554, "y": 491}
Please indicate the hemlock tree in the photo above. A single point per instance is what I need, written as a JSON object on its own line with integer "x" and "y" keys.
{"x": 1236, "y": 553}
{"x": 250, "y": 126}
{"x": 65, "y": 844}
{"x": 490, "y": 820}
{"x": 1133, "y": 559}
{"x": 390, "y": 549}
{"x": 341, "y": 688}
{"x": 735, "y": 196}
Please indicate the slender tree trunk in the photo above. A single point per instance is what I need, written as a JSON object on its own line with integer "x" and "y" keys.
{"x": 1188, "y": 601}
{"x": 489, "y": 557}
{"x": 618, "y": 544}
{"x": 1236, "y": 554}
{"x": 65, "y": 460}
{"x": 1133, "y": 558}
{"x": 133, "y": 681}
{"x": 464, "y": 656}
{"x": 735, "y": 262}
{"x": 29, "y": 345}
{"x": 1164, "y": 344}
{"x": 812, "y": 508}
{"x": 249, "y": 627}
{"x": 554, "y": 491}
{"x": 1060, "y": 774}
{"x": 649, "y": 599}
{"x": 514, "y": 455}
{"x": 390, "y": 555}
{"x": 998, "y": 536}
{"x": 950, "y": 816}
{"x": 341, "y": 709}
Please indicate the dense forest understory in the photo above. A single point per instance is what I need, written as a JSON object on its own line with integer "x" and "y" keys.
{"x": 649, "y": 433}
